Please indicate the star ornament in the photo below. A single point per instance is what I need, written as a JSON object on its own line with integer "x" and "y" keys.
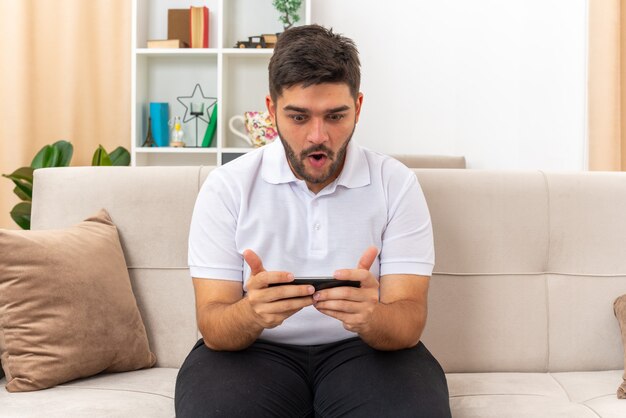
{"x": 197, "y": 98}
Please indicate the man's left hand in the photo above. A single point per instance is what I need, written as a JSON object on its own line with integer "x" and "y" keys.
{"x": 352, "y": 306}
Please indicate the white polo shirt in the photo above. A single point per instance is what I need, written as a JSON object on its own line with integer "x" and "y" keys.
{"x": 257, "y": 202}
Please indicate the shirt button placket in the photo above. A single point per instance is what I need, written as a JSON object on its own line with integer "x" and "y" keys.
{"x": 316, "y": 225}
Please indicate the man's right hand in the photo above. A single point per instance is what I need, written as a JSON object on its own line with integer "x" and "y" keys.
{"x": 272, "y": 305}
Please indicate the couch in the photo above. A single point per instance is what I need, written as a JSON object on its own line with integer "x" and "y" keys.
{"x": 431, "y": 161}
{"x": 528, "y": 265}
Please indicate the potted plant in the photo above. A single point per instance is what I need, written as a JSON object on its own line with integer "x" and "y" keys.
{"x": 58, "y": 154}
{"x": 288, "y": 10}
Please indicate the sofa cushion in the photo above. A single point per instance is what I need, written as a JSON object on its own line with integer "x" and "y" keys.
{"x": 503, "y": 395}
{"x": 619, "y": 308}
{"x": 142, "y": 393}
{"x": 67, "y": 309}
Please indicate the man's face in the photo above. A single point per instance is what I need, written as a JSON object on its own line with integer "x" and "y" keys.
{"x": 315, "y": 125}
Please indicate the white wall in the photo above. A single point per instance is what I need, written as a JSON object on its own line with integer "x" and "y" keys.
{"x": 502, "y": 82}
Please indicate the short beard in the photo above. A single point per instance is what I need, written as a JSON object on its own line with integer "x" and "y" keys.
{"x": 297, "y": 164}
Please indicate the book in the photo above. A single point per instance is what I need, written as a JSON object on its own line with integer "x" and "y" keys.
{"x": 210, "y": 129}
{"x": 178, "y": 25}
{"x": 199, "y": 27}
{"x": 159, "y": 113}
{"x": 166, "y": 43}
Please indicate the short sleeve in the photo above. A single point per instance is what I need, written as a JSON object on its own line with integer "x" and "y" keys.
{"x": 407, "y": 242}
{"x": 212, "y": 250}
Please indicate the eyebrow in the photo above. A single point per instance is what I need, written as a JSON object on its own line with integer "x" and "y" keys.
{"x": 304, "y": 110}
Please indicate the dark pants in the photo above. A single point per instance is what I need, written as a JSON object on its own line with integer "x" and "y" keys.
{"x": 346, "y": 378}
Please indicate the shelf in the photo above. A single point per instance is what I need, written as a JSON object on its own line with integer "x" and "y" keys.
{"x": 248, "y": 51}
{"x": 205, "y": 51}
{"x": 233, "y": 150}
{"x": 173, "y": 150}
{"x": 150, "y": 19}
{"x": 177, "y": 51}
{"x": 245, "y": 18}
{"x": 236, "y": 77}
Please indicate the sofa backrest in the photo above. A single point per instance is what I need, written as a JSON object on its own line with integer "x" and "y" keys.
{"x": 431, "y": 161}
{"x": 151, "y": 207}
{"x": 527, "y": 263}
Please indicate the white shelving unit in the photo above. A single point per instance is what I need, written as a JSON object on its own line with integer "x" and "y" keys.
{"x": 236, "y": 77}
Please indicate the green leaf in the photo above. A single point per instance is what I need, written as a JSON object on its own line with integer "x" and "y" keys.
{"x": 23, "y": 180}
{"x": 120, "y": 157}
{"x": 66, "y": 150}
{"x": 24, "y": 196}
{"x": 42, "y": 156}
{"x": 22, "y": 173}
{"x": 101, "y": 157}
{"x": 25, "y": 188}
{"x": 21, "y": 214}
{"x": 58, "y": 154}
{"x": 48, "y": 156}
{"x": 55, "y": 156}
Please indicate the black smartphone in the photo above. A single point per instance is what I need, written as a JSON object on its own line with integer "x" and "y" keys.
{"x": 320, "y": 283}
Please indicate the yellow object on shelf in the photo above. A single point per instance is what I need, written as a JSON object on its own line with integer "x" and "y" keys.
{"x": 176, "y": 138}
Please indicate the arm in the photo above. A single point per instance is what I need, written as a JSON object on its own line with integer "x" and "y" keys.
{"x": 224, "y": 320}
{"x": 398, "y": 320}
{"x": 230, "y": 321}
{"x": 394, "y": 322}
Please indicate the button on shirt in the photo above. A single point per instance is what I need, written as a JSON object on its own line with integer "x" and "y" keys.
{"x": 256, "y": 202}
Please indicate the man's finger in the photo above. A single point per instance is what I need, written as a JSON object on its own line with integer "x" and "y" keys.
{"x": 253, "y": 260}
{"x": 266, "y": 278}
{"x": 368, "y": 257}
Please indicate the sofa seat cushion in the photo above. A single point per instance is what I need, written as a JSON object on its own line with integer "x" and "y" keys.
{"x": 150, "y": 393}
{"x": 502, "y": 395}
{"x": 137, "y": 394}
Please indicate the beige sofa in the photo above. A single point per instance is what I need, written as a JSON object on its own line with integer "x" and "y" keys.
{"x": 528, "y": 266}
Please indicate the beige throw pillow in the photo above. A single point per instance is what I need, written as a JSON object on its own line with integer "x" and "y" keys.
{"x": 619, "y": 307}
{"x": 67, "y": 309}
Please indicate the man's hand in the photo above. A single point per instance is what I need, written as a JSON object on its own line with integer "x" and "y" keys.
{"x": 352, "y": 306}
{"x": 272, "y": 305}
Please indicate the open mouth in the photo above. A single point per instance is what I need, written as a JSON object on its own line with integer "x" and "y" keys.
{"x": 317, "y": 159}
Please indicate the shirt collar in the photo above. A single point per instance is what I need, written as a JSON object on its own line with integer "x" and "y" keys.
{"x": 275, "y": 168}
{"x": 356, "y": 170}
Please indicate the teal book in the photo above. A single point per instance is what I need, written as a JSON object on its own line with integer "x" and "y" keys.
{"x": 211, "y": 128}
{"x": 159, "y": 113}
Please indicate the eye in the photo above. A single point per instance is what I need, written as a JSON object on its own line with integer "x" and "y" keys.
{"x": 336, "y": 117}
{"x": 298, "y": 118}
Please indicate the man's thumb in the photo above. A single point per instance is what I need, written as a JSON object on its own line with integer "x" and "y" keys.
{"x": 368, "y": 257}
{"x": 253, "y": 260}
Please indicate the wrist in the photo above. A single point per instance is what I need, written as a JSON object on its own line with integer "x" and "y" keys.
{"x": 402, "y": 334}
{"x": 254, "y": 320}
{"x": 369, "y": 327}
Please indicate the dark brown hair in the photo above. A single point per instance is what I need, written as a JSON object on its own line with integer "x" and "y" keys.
{"x": 311, "y": 55}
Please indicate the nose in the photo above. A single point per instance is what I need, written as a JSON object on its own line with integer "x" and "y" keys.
{"x": 317, "y": 133}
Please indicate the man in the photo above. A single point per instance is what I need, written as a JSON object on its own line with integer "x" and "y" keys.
{"x": 312, "y": 204}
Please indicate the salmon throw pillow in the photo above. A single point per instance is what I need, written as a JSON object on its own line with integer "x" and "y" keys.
{"x": 67, "y": 309}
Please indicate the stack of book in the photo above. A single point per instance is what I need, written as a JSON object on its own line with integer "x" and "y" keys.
{"x": 167, "y": 43}
{"x": 185, "y": 28}
{"x": 199, "y": 27}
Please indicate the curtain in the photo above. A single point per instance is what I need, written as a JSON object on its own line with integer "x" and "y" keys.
{"x": 607, "y": 85}
{"x": 65, "y": 75}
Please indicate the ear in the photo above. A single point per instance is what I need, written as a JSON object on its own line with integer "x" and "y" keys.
{"x": 271, "y": 108}
{"x": 358, "y": 104}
